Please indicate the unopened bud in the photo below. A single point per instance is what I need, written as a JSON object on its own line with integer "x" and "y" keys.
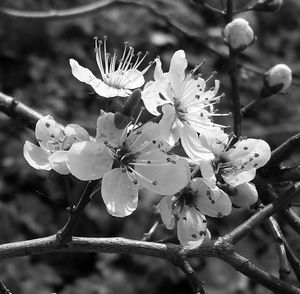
{"x": 268, "y": 5}
{"x": 277, "y": 80}
{"x": 245, "y": 196}
{"x": 238, "y": 34}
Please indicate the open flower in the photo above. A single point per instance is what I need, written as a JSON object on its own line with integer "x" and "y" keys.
{"x": 236, "y": 164}
{"x": 187, "y": 107}
{"x": 187, "y": 210}
{"x": 53, "y": 139}
{"x": 118, "y": 78}
{"x": 138, "y": 160}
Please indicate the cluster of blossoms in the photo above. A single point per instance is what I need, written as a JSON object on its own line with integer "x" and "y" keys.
{"x": 135, "y": 156}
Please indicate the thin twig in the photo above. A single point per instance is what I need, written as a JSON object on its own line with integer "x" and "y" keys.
{"x": 284, "y": 269}
{"x": 288, "y": 174}
{"x": 279, "y": 204}
{"x": 210, "y": 7}
{"x": 233, "y": 74}
{"x": 294, "y": 261}
{"x": 282, "y": 152}
{"x": 292, "y": 219}
{"x": 66, "y": 233}
{"x": 195, "y": 282}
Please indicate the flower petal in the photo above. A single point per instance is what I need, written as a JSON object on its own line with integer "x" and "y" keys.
{"x": 170, "y": 126}
{"x": 207, "y": 170}
{"x": 135, "y": 79}
{"x": 58, "y": 162}
{"x": 212, "y": 202}
{"x": 107, "y": 132}
{"x": 48, "y": 132}
{"x": 193, "y": 146}
{"x": 191, "y": 227}
{"x": 161, "y": 173}
{"x": 178, "y": 65}
{"x": 75, "y": 133}
{"x": 36, "y": 156}
{"x": 151, "y": 98}
{"x": 249, "y": 153}
{"x": 246, "y": 195}
{"x": 89, "y": 160}
{"x": 86, "y": 76}
{"x": 165, "y": 210}
{"x": 238, "y": 178}
{"x": 119, "y": 194}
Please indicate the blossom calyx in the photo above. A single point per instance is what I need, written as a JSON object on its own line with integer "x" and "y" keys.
{"x": 277, "y": 80}
{"x": 238, "y": 34}
{"x": 268, "y": 5}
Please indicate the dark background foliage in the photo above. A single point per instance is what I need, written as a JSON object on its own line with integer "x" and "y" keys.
{"x": 34, "y": 68}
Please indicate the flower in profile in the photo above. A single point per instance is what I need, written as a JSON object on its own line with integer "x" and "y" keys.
{"x": 187, "y": 107}
{"x": 54, "y": 140}
{"x": 277, "y": 80}
{"x": 236, "y": 164}
{"x": 137, "y": 159}
{"x": 187, "y": 210}
{"x": 118, "y": 77}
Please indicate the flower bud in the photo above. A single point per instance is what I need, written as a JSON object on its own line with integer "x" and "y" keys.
{"x": 268, "y": 5}
{"x": 277, "y": 80}
{"x": 238, "y": 34}
{"x": 245, "y": 195}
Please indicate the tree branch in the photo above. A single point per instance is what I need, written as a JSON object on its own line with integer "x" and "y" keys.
{"x": 282, "y": 152}
{"x": 19, "y": 111}
{"x": 279, "y": 204}
{"x": 220, "y": 249}
{"x": 294, "y": 261}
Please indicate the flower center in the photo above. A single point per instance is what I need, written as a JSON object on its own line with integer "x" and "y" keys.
{"x": 180, "y": 109}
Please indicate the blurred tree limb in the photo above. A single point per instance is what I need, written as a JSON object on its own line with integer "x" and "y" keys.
{"x": 94, "y": 8}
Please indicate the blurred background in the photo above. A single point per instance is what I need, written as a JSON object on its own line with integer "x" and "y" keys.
{"x": 34, "y": 68}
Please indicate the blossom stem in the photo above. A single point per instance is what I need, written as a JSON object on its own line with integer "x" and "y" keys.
{"x": 247, "y": 107}
{"x": 233, "y": 74}
{"x": 3, "y": 289}
{"x": 66, "y": 233}
{"x": 69, "y": 192}
{"x": 149, "y": 234}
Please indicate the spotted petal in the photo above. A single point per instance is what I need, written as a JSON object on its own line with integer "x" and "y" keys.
{"x": 36, "y": 156}
{"x": 249, "y": 153}
{"x": 191, "y": 227}
{"x": 119, "y": 193}
{"x": 89, "y": 160}
{"x": 48, "y": 132}
{"x": 161, "y": 173}
{"x": 210, "y": 201}
{"x": 165, "y": 210}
